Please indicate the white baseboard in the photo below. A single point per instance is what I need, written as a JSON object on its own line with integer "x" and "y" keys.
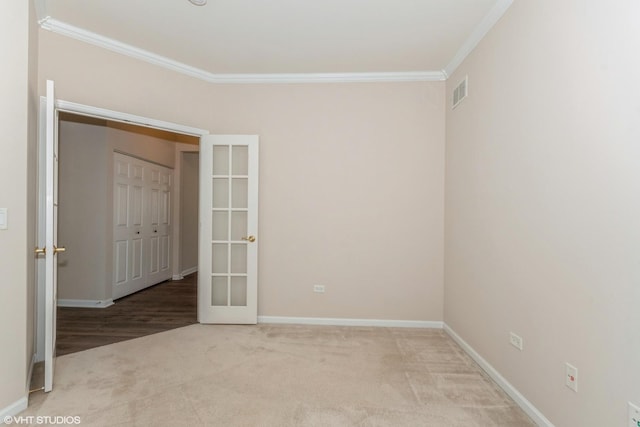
{"x": 351, "y": 322}
{"x": 522, "y": 402}
{"x": 186, "y": 272}
{"x": 14, "y": 409}
{"x": 189, "y": 271}
{"x": 85, "y": 303}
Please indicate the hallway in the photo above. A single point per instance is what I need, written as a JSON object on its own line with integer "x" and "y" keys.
{"x": 167, "y": 305}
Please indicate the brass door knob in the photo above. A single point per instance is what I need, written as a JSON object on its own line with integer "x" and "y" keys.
{"x": 41, "y": 251}
{"x": 60, "y": 249}
{"x": 250, "y": 239}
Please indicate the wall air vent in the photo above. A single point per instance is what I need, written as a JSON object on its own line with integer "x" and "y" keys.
{"x": 460, "y": 92}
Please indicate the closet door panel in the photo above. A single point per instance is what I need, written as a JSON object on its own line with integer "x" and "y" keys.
{"x": 142, "y": 224}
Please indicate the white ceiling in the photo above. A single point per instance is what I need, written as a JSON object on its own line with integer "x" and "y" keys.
{"x": 285, "y": 36}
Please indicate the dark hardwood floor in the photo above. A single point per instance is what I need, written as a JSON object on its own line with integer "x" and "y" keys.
{"x": 165, "y": 306}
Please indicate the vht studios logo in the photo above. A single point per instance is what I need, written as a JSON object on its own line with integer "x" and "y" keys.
{"x": 42, "y": 419}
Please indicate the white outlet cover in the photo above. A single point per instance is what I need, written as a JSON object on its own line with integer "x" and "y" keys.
{"x": 634, "y": 415}
{"x": 516, "y": 341}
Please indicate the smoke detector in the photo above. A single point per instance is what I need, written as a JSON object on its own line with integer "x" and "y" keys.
{"x": 198, "y": 2}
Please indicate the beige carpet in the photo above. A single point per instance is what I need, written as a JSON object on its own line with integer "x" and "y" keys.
{"x": 277, "y": 375}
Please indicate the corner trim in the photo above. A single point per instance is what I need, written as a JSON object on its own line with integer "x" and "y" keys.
{"x": 14, "y": 409}
{"x": 41, "y": 10}
{"x": 505, "y": 385}
{"x": 487, "y": 23}
{"x": 85, "y": 303}
{"x": 350, "y": 322}
{"x": 95, "y": 39}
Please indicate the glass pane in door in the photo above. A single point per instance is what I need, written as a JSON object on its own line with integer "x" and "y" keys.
{"x": 239, "y": 258}
{"x": 240, "y": 160}
{"x": 238, "y": 225}
{"x": 238, "y": 291}
{"x": 219, "y": 291}
{"x": 220, "y": 193}
{"x": 220, "y": 225}
{"x": 239, "y": 193}
{"x": 220, "y": 160}
{"x": 220, "y": 259}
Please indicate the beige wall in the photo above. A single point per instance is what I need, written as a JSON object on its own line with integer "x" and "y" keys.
{"x": 542, "y": 205}
{"x": 189, "y": 185}
{"x": 86, "y": 195}
{"x": 82, "y": 219}
{"x": 18, "y": 47}
{"x": 32, "y": 182}
{"x": 351, "y": 176}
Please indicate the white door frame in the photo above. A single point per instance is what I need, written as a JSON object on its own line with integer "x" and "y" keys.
{"x": 179, "y": 271}
{"x": 100, "y": 113}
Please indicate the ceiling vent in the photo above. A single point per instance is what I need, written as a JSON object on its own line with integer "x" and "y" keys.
{"x": 460, "y": 92}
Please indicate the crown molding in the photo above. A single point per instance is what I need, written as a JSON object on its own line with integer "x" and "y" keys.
{"x": 65, "y": 29}
{"x": 487, "y": 23}
{"x": 62, "y": 28}
{"x": 405, "y": 76}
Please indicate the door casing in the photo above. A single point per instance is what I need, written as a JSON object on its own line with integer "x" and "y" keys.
{"x": 100, "y": 113}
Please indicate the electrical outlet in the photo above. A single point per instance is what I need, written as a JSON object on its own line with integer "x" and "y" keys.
{"x": 318, "y": 289}
{"x": 571, "y": 377}
{"x": 634, "y": 415}
{"x": 516, "y": 341}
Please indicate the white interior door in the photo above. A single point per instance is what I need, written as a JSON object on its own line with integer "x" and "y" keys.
{"x": 160, "y": 223}
{"x": 228, "y": 235}
{"x": 50, "y": 248}
{"x": 129, "y": 251}
{"x": 142, "y": 224}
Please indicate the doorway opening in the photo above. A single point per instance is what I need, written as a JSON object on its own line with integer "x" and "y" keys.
{"x": 96, "y": 207}
{"x": 227, "y": 250}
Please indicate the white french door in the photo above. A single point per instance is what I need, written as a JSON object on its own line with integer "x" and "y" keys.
{"x": 49, "y": 245}
{"x": 228, "y": 234}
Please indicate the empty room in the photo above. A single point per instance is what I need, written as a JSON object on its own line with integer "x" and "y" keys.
{"x": 410, "y": 212}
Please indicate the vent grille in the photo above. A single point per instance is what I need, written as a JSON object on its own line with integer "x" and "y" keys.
{"x": 460, "y": 92}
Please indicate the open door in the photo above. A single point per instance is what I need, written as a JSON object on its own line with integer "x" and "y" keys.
{"x": 49, "y": 248}
{"x": 228, "y": 234}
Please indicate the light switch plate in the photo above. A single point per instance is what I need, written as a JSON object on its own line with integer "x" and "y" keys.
{"x": 3, "y": 219}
